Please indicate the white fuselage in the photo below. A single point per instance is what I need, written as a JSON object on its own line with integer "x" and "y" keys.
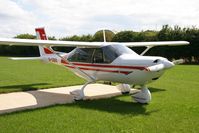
{"x": 127, "y": 68}
{"x": 131, "y": 70}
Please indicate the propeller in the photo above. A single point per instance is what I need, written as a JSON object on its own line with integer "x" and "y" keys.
{"x": 164, "y": 64}
{"x": 180, "y": 61}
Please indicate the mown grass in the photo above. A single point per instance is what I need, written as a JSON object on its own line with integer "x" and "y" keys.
{"x": 32, "y": 75}
{"x": 174, "y": 109}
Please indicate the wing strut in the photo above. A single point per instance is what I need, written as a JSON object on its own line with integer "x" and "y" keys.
{"x": 104, "y": 35}
{"x": 89, "y": 78}
{"x": 146, "y": 50}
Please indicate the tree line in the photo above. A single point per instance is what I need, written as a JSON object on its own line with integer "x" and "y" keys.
{"x": 190, "y": 53}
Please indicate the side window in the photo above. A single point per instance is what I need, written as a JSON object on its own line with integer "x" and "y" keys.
{"x": 85, "y": 55}
{"x": 110, "y": 54}
{"x": 98, "y": 56}
{"x": 105, "y": 54}
{"x": 81, "y": 55}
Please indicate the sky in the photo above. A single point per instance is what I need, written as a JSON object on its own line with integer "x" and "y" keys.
{"x": 63, "y": 18}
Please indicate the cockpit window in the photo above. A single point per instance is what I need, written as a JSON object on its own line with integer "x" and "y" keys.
{"x": 98, "y": 56}
{"x": 105, "y": 54}
{"x": 111, "y": 52}
{"x": 120, "y": 49}
{"x": 81, "y": 55}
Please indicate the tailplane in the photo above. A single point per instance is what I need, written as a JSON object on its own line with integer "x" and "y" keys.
{"x": 43, "y": 50}
{"x": 25, "y": 58}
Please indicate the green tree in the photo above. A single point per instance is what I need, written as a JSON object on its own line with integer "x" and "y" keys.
{"x": 125, "y": 36}
{"x": 98, "y": 36}
{"x": 86, "y": 38}
{"x": 52, "y": 38}
{"x": 25, "y": 36}
{"x": 24, "y": 50}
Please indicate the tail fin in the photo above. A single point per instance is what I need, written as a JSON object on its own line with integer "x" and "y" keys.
{"x": 41, "y": 35}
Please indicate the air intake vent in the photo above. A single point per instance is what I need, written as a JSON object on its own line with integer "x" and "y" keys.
{"x": 156, "y": 61}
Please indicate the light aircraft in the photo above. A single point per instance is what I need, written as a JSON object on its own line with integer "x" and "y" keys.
{"x": 104, "y": 61}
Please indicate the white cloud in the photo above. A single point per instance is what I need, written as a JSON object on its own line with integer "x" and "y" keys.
{"x": 61, "y": 17}
{"x": 14, "y": 20}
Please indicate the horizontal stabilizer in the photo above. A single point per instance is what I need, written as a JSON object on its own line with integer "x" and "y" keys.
{"x": 25, "y": 58}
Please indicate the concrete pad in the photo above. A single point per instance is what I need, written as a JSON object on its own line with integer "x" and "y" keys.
{"x": 41, "y": 98}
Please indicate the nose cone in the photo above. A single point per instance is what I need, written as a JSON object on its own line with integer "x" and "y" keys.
{"x": 168, "y": 64}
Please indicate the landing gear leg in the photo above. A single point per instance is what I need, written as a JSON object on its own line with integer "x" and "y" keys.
{"x": 79, "y": 94}
{"x": 142, "y": 96}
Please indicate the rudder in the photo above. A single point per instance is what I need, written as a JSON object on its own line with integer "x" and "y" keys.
{"x": 41, "y": 35}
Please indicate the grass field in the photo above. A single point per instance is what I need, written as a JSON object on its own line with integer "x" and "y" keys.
{"x": 32, "y": 75}
{"x": 174, "y": 107}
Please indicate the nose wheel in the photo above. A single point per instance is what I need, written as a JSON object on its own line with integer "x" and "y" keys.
{"x": 142, "y": 96}
{"x": 124, "y": 88}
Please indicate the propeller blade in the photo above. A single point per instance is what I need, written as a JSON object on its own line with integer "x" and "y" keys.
{"x": 156, "y": 68}
{"x": 180, "y": 61}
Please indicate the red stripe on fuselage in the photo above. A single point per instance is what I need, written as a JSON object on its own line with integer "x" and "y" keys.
{"x": 101, "y": 70}
{"x": 65, "y": 63}
{"x": 106, "y": 66}
{"x": 47, "y": 51}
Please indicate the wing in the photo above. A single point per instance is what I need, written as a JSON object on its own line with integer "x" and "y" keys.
{"x": 32, "y": 42}
{"x": 152, "y": 44}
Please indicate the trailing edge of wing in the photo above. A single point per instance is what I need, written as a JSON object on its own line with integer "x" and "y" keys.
{"x": 32, "y": 42}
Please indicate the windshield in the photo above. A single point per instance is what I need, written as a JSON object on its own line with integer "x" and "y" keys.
{"x": 105, "y": 54}
{"x": 81, "y": 55}
{"x": 118, "y": 49}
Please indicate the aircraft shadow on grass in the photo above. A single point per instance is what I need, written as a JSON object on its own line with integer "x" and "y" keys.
{"x": 117, "y": 104}
{"x": 152, "y": 89}
{"x": 114, "y": 105}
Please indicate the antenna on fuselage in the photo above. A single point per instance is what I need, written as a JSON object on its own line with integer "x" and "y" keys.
{"x": 104, "y": 35}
